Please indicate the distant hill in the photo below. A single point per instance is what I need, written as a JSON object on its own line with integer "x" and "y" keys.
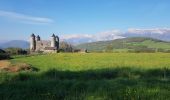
{"x": 135, "y": 43}
{"x": 15, "y": 43}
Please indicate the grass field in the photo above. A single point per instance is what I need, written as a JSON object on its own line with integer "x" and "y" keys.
{"x": 90, "y": 76}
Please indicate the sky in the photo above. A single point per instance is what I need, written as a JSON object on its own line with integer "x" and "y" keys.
{"x": 20, "y": 18}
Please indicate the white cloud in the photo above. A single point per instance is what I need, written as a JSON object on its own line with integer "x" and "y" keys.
{"x": 83, "y": 38}
{"x": 156, "y": 33}
{"x": 77, "y": 38}
{"x": 25, "y": 18}
{"x": 108, "y": 35}
{"x": 151, "y": 31}
{"x": 70, "y": 36}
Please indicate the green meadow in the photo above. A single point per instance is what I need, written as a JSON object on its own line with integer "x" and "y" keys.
{"x": 89, "y": 76}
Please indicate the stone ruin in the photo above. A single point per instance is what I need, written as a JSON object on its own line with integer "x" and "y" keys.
{"x": 45, "y": 46}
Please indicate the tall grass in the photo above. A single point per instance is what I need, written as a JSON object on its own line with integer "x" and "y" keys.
{"x": 91, "y": 76}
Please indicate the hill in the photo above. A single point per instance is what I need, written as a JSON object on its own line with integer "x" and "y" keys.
{"x": 15, "y": 43}
{"x": 127, "y": 44}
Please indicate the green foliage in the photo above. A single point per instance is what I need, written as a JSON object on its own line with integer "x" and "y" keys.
{"x": 16, "y": 51}
{"x": 3, "y": 55}
{"x": 90, "y": 76}
{"x": 109, "y": 48}
{"x": 65, "y": 47}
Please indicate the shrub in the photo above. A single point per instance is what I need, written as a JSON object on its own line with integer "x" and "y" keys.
{"x": 3, "y": 55}
{"x": 16, "y": 51}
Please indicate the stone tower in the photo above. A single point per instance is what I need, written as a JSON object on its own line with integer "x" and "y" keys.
{"x": 57, "y": 42}
{"x": 53, "y": 41}
{"x": 38, "y": 38}
{"x": 32, "y": 43}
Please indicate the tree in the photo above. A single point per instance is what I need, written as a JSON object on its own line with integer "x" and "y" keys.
{"x": 3, "y": 55}
{"x": 109, "y": 48}
{"x": 65, "y": 47}
{"x": 15, "y": 51}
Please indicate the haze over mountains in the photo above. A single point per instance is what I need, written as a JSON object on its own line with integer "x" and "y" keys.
{"x": 161, "y": 34}
{"x": 157, "y": 33}
{"x": 15, "y": 43}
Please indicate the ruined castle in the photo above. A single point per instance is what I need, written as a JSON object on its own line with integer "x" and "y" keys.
{"x": 45, "y": 46}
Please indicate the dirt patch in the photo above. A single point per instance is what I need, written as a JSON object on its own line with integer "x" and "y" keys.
{"x": 6, "y": 66}
{"x": 4, "y": 63}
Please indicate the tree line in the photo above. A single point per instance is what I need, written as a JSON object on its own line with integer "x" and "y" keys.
{"x": 7, "y": 52}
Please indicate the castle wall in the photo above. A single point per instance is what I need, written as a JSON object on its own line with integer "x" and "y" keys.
{"x": 40, "y": 45}
{"x": 50, "y": 51}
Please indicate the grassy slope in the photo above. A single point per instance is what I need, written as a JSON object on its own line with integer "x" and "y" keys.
{"x": 93, "y": 76}
{"x": 125, "y": 44}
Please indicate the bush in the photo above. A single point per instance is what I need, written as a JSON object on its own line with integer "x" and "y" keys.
{"x": 3, "y": 55}
{"x": 143, "y": 50}
{"x": 16, "y": 51}
{"x": 65, "y": 47}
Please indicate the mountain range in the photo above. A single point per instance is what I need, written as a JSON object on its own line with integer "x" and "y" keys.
{"x": 15, "y": 43}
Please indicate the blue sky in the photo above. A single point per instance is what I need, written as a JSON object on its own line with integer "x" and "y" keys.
{"x": 19, "y": 18}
